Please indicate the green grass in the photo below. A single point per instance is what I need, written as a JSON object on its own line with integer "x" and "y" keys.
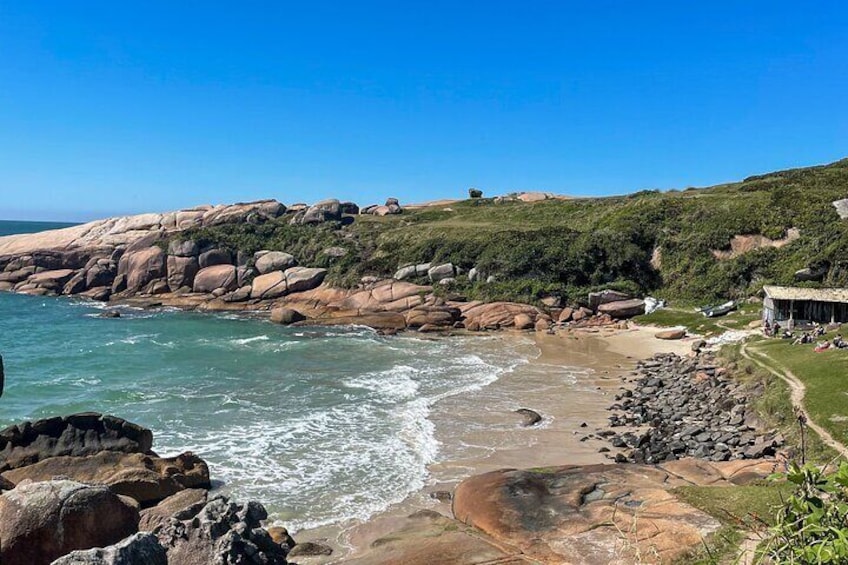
{"x": 695, "y": 322}
{"x": 769, "y": 397}
{"x": 748, "y": 506}
{"x": 739, "y": 509}
{"x": 824, "y": 374}
{"x": 569, "y": 247}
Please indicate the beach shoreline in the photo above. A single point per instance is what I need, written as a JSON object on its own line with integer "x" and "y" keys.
{"x": 570, "y": 382}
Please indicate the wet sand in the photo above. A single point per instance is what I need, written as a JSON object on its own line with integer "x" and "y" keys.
{"x": 570, "y": 380}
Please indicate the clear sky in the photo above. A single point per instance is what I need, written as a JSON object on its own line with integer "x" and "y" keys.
{"x": 122, "y": 107}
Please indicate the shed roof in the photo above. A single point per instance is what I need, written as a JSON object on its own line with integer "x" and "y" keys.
{"x": 813, "y": 294}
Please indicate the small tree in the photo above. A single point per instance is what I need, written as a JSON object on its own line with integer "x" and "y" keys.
{"x": 475, "y": 193}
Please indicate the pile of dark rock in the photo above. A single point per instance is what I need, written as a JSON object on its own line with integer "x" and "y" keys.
{"x": 87, "y": 488}
{"x": 686, "y": 407}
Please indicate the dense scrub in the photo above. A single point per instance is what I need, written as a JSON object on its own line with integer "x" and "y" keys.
{"x": 567, "y": 247}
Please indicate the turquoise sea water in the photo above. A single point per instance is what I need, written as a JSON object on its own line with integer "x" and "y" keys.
{"x": 318, "y": 424}
{"x": 10, "y": 227}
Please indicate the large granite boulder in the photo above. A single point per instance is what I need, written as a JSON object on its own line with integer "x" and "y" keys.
{"x": 623, "y": 308}
{"x": 324, "y": 211}
{"x": 181, "y": 271}
{"x": 215, "y": 257}
{"x": 183, "y": 248}
{"x": 605, "y": 297}
{"x": 269, "y": 285}
{"x": 299, "y": 279}
{"x": 268, "y": 261}
{"x": 138, "y": 549}
{"x": 221, "y": 532}
{"x": 217, "y": 276}
{"x": 146, "y": 478}
{"x": 42, "y": 521}
{"x": 76, "y": 435}
{"x": 141, "y": 267}
{"x": 442, "y": 316}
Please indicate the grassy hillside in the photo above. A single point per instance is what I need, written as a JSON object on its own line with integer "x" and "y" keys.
{"x": 567, "y": 247}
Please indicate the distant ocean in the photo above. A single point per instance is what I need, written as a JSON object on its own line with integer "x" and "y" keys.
{"x": 11, "y": 227}
{"x": 319, "y": 424}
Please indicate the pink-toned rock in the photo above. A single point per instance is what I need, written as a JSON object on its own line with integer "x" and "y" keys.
{"x": 565, "y": 315}
{"x": 214, "y": 277}
{"x": 270, "y": 285}
{"x": 181, "y": 271}
{"x": 676, "y": 333}
{"x": 142, "y": 266}
{"x": 42, "y": 521}
{"x": 623, "y": 308}
{"x": 299, "y": 279}
{"x": 522, "y": 322}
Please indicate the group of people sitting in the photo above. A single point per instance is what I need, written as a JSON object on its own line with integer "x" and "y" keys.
{"x": 774, "y": 330}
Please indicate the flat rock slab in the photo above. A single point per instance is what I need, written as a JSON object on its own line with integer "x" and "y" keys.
{"x": 427, "y": 537}
{"x": 596, "y": 514}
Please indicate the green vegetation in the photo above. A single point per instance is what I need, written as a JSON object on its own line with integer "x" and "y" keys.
{"x": 824, "y": 376}
{"x": 695, "y": 322}
{"x": 568, "y": 247}
{"x": 750, "y": 506}
{"x": 771, "y": 400}
{"x": 812, "y": 525}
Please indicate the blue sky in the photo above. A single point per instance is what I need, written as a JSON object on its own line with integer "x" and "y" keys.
{"x": 120, "y": 107}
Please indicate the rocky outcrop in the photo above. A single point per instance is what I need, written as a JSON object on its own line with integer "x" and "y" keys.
{"x": 692, "y": 408}
{"x": 90, "y": 447}
{"x": 42, "y": 521}
{"x": 392, "y": 206}
{"x": 621, "y": 309}
{"x": 324, "y": 211}
{"x": 182, "y": 505}
{"x": 497, "y": 315}
{"x": 181, "y": 271}
{"x": 596, "y": 514}
{"x": 140, "y": 268}
{"x": 146, "y": 478}
{"x": 220, "y": 532}
{"x": 140, "y": 548}
{"x": 75, "y": 435}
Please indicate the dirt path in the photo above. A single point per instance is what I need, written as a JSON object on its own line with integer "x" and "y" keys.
{"x": 797, "y": 392}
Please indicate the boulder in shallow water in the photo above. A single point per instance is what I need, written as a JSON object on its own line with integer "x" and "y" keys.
{"x": 529, "y": 417}
{"x": 42, "y": 521}
{"x": 286, "y": 316}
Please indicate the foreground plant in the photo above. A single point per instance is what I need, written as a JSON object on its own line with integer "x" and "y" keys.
{"x": 812, "y": 525}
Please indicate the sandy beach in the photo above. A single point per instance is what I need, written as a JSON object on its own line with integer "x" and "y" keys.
{"x": 570, "y": 380}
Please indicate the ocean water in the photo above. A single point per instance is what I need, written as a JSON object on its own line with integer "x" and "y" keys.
{"x": 10, "y": 227}
{"x": 320, "y": 424}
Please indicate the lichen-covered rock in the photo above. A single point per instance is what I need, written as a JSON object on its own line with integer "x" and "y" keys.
{"x": 220, "y": 533}
{"x": 138, "y": 549}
